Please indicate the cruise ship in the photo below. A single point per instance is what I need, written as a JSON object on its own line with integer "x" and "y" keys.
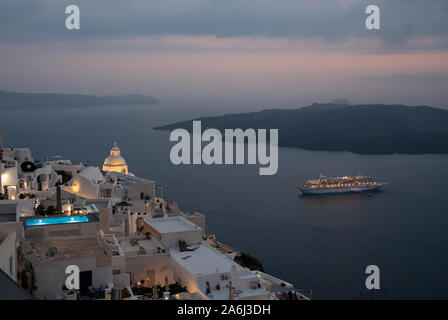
{"x": 346, "y": 184}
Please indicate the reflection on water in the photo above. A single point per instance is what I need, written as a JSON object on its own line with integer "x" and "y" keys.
{"x": 339, "y": 201}
{"x": 322, "y": 243}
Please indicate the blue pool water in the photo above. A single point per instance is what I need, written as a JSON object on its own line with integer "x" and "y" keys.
{"x": 55, "y": 220}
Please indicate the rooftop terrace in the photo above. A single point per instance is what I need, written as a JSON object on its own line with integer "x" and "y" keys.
{"x": 125, "y": 180}
{"x": 140, "y": 246}
{"x": 67, "y": 248}
{"x": 171, "y": 224}
{"x": 204, "y": 260}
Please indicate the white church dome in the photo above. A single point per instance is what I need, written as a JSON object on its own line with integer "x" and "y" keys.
{"x": 92, "y": 174}
{"x": 115, "y": 162}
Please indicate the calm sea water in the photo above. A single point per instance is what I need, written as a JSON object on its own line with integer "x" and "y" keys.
{"x": 319, "y": 243}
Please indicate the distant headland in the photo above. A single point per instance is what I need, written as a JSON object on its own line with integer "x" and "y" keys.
{"x": 363, "y": 129}
{"x": 23, "y": 100}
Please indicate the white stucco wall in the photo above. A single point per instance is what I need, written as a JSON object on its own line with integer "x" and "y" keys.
{"x": 83, "y": 188}
{"x": 8, "y": 252}
{"x": 183, "y": 276}
{"x": 8, "y": 177}
{"x": 161, "y": 263}
{"x": 24, "y": 207}
{"x": 199, "y": 220}
{"x": 190, "y": 237}
{"x": 51, "y": 276}
{"x": 135, "y": 190}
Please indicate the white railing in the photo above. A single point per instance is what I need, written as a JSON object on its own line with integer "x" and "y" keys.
{"x": 111, "y": 243}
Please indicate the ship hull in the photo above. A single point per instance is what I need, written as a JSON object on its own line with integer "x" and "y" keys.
{"x": 356, "y": 189}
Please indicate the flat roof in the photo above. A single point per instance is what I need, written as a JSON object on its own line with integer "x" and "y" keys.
{"x": 204, "y": 260}
{"x": 99, "y": 203}
{"x": 171, "y": 224}
{"x": 67, "y": 247}
{"x": 140, "y": 247}
{"x": 125, "y": 179}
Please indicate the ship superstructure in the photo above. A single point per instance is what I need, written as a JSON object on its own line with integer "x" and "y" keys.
{"x": 345, "y": 184}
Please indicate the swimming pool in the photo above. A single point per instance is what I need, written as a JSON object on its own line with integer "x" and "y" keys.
{"x": 55, "y": 220}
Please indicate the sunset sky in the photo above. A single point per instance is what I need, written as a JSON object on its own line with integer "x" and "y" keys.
{"x": 266, "y": 52}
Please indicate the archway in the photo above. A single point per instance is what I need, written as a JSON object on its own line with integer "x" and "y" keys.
{"x": 42, "y": 184}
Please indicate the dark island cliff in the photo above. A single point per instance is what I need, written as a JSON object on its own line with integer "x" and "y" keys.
{"x": 364, "y": 129}
{"x": 23, "y": 100}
